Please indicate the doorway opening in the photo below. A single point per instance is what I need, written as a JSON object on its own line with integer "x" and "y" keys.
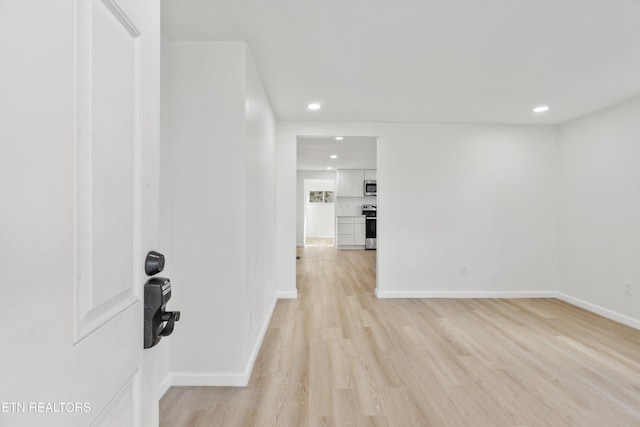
{"x": 336, "y": 205}
{"x": 319, "y": 212}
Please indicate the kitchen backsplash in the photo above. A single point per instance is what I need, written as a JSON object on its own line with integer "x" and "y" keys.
{"x": 351, "y": 206}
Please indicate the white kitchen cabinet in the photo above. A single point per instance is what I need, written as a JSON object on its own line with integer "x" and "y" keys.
{"x": 346, "y": 220}
{"x": 370, "y": 174}
{"x": 350, "y": 183}
{"x": 346, "y": 240}
{"x": 350, "y": 232}
{"x": 346, "y": 229}
{"x": 359, "y": 229}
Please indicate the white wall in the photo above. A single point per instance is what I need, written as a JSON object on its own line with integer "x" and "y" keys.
{"x": 600, "y": 210}
{"x": 260, "y": 209}
{"x": 286, "y": 161}
{"x": 319, "y": 218}
{"x": 479, "y": 196}
{"x": 207, "y": 205}
{"x": 222, "y": 211}
{"x": 299, "y": 201}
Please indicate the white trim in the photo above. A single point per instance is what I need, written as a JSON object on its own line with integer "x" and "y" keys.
{"x": 226, "y": 379}
{"x": 287, "y": 294}
{"x": 258, "y": 345}
{"x": 604, "y": 312}
{"x": 214, "y": 379}
{"x": 593, "y": 308}
{"x": 465, "y": 294}
{"x": 122, "y": 17}
{"x": 165, "y": 384}
{"x": 130, "y": 392}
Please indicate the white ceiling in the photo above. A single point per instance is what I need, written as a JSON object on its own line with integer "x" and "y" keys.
{"x": 354, "y": 152}
{"x": 463, "y": 61}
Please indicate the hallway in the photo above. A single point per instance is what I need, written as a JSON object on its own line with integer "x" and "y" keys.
{"x": 339, "y": 356}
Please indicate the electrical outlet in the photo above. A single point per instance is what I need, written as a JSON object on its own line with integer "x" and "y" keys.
{"x": 626, "y": 289}
{"x": 464, "y": 270}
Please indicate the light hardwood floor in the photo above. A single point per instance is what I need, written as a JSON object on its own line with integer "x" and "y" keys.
{"x": 318, "y": 241}
{"x": 339, "y": 356}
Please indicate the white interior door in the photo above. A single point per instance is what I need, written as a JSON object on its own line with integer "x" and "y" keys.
{"x": 74, "y": 118}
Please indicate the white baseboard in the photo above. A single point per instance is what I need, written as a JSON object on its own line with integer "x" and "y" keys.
{"x": 222, "y": 379}
{"x": 604, "y": 312}
{"x": 165, "y": 384}
{"x": 258, "y": 344}
{"x": 230, "y": 379}
{"x": 241, "y": 379}
{"x": 465, "y": 294}
{"x": 287, "y": 294}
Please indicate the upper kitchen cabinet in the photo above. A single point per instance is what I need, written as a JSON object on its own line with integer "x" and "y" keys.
{"x": 350, "y": 183}
{"x": 370, "y": 174}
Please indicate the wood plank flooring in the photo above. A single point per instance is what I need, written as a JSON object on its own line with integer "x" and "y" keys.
{"x": 318, "y": 241}
{"x": 338, "y": 356}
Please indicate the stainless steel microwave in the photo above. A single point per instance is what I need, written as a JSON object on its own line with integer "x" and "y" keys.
{"x": 370, "y": 188}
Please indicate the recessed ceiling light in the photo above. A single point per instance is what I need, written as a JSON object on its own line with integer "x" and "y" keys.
{"x": 333, "y": 156}
{"x": 314, "y": 106}
{"x": 339, "y": 138}
{"x": 329, "y": 168}
{"x": 541, "y": 109}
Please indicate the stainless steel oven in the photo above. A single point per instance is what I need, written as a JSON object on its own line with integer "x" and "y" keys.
{"x": 370, "y": 222}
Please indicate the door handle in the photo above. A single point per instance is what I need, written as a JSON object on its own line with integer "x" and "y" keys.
{"x": 171, "y": 317}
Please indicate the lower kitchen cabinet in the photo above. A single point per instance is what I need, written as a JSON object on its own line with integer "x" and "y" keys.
{"x": 359, "y": 232}
{"x": 345, "y": 240}
{"x": 350, "y": 232}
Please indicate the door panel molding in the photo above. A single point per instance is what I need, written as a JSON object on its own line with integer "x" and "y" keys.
{"x": 123, "y": 410}
{"x": 107, "y": 165}
{"x": 122, "y": 17}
